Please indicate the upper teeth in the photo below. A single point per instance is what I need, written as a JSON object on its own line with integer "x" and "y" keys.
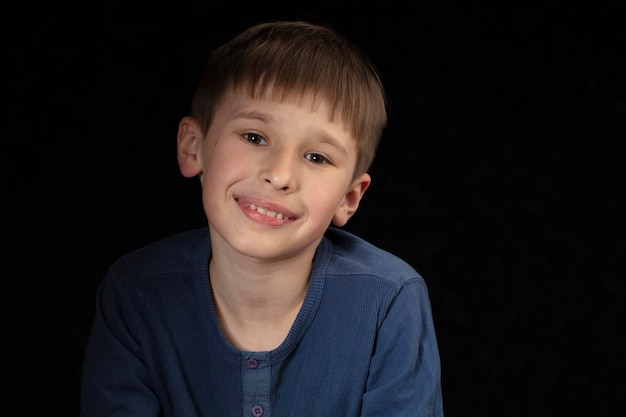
{"x": 268, "y": 213}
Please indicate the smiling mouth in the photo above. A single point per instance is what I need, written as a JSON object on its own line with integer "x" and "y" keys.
{"x": 268, "y": 213}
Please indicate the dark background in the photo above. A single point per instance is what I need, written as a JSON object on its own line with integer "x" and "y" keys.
{"x": 500, "y": 178}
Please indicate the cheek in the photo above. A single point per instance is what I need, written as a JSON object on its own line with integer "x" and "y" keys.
{"x": 324, "y": 198}
{"x": 221, "y": 161}
{"x": 221, "y": 170}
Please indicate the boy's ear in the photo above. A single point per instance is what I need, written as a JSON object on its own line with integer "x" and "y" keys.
{"x": 351, "y": 200}
{"x": 188, "y": 147}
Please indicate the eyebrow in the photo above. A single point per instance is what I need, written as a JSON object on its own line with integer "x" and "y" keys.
{"x": 321, "y": 135}
{"x": 325, "y": 138}
{"x": 264, "y": 117}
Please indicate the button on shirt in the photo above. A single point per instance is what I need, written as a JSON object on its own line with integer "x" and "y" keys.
{"x": 256, "y": 383}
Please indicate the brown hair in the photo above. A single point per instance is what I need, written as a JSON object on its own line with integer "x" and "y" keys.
{"x": 294, "y": 59}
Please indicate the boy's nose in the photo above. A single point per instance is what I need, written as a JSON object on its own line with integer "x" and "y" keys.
{"x": 280, "y": 172}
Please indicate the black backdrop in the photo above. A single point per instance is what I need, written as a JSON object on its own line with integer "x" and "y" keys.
{"x": 500, "y": 179}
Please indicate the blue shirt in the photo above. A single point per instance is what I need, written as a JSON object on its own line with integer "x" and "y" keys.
{"x": 363, "y": 343}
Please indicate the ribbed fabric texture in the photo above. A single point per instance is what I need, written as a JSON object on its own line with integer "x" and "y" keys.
{"x": 363, "y": 343}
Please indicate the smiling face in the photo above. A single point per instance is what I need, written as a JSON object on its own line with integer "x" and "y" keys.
{"x": 274, "y": 175}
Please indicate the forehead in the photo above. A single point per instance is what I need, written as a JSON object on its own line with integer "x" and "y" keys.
{"x": 272, "y": 109}
{"x": 315, "y": 101}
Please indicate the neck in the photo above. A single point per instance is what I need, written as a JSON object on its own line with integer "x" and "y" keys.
{"x": 257, "y": 302}
{"x": 258, "y": 293}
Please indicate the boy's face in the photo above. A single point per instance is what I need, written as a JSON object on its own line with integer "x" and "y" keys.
{"x": 274, "y": 175}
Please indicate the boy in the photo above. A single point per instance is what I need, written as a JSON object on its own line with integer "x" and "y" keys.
{"x": 269, "y": 311}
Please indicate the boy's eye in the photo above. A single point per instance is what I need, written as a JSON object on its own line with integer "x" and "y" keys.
{"x": 254, "y": 139}
{"x": 316, "y": 158}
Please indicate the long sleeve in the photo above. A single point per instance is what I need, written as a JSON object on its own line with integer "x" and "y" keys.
{"x": 405, "y": 373}
{"x": 115, "y": 380}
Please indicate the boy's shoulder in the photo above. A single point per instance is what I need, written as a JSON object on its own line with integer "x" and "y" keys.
{"x": 354, "y": 255}
{"x": 182, "y": 252}
{"x": 175, "y": 253}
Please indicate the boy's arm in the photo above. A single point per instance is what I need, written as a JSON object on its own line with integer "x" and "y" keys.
{"x": 405, "y": 372}
{"x": 114, "y": 377}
